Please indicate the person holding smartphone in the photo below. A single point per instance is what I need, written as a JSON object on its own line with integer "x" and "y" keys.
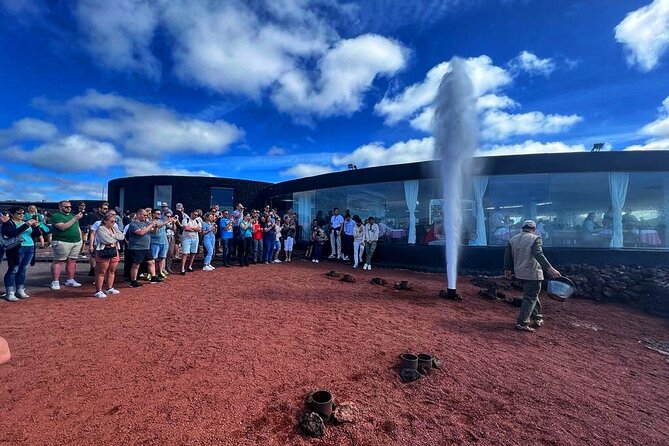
{"x": 18, "y": 257}
{"x": 66, "y": 243}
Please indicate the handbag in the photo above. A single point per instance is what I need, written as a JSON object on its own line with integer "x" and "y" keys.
{"x": 108, "y": 252}
{"x": 10, "y": 242}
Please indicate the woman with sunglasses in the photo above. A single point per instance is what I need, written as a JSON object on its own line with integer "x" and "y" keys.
{"x": 18, "y": 257}
{"x": 106, "y": 243}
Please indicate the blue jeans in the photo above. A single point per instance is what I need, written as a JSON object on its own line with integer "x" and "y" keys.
{"x": 17, "y": 265}
{"x": 268, "y": 244}
{"x": 209, "y": 248}
{"x": 227, "y": 249}
{"x": 257, "y": 250}
{"x": 318, "y": 249}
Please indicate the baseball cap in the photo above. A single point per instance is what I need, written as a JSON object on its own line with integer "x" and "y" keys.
{"x": 529, "y": 224}
{"x": 163, "y": 204}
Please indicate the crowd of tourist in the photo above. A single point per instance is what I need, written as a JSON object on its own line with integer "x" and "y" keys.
{"x": 159, "y": 242}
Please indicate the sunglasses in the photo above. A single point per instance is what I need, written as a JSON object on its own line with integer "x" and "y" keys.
{"x": 67, "y": 207}
{"x": 19, "y": 213}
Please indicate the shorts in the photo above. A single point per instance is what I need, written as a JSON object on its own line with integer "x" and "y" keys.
{"x": 189, "y": 245}
{"x": 277, "y": 244}
{"x": 141, "y": 255}
{"x": 159, "y": 251}
{"x": 65, "y": 250}
{"x": 288, "y": 244}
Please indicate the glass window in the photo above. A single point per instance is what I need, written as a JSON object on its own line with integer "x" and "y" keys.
{"x": 121, "y": 198}
{"x": 580, "y": 210}
{"x": 326, "y": 200}
{"x": 162, "y": 193}
{"x": 221, "y": 196}
{"x": 645, "y": 214}
{"x": 511, "y": 199}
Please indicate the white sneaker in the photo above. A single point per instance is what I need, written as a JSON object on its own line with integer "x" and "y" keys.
{"x": 369, "y": 267}
{"x": 100, "y": 295}
{"x": 205, "y": 268}
{"x": 72, "y": 283}
{"x": 11, "y": 297}
{"x": 277, "y": 261}
{"x": 313, "y": 260}
{"x": 55, "y": 285}
{"x": 345, "y": 258}
{"x": 211, "y": 268}
{"x": 316, "y": 261}
{"x": 21, "y": 293}
{"x": 365, "y": 266}
{"x": 331, "y": 257}
{"x": 113, "y": 291}
{"x": 355, "y": 266}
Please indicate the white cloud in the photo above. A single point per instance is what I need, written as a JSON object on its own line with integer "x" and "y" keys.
{"x": 229, "y": 47}
{"x": 659, "y": 127}
{"x": 486, "y": 78}
{"x": 645, "y": 34}
{"x": 276, "y": 151}
{"x": 531, "y": 64}
{"x": 28, "y": 129}
{"x": 658, "y": 130}
{"x": 141, "y": 167}
{"x": 119, "y": 34}
{"x": 346, "y": 72}
{"x": 499, "y": 125}
{"x": 376, "y": 154}
{"x": 148, "y": 130}
{"x": 414, "y": 103}
{"x": 74, "y": 153}
{"x": 306, "y": 170}
{"x": 530, "y": 147}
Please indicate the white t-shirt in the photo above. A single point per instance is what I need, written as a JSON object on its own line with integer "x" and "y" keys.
{"x": 188, "y": 223}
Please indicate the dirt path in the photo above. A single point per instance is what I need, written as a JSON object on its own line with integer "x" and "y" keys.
{"x": 227, "y": 357}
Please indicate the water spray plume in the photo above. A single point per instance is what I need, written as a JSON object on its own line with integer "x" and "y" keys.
{"x": 455, "y": 139}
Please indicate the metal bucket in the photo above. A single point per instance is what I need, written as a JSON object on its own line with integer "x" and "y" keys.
{"x": 561, "y": 288}
{"x": 321, "y": 403}
{"x": 408, "y": 361}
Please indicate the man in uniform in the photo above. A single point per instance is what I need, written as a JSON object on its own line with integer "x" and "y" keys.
{"x": 525, "y": 258}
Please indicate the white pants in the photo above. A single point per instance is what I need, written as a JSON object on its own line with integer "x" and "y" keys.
{"x": 358, "y": 249}
{"x": 335, "y": 243}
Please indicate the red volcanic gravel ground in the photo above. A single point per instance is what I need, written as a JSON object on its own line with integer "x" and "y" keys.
{"x": 227, "y": 358}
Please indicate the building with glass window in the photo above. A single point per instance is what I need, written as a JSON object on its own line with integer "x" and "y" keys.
{"x": 598, "y": 208}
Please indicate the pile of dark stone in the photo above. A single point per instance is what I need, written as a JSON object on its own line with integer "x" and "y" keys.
{"x": 646, "y": 288}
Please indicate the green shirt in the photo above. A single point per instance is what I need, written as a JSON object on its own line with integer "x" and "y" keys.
{"x": 71, "y": 234}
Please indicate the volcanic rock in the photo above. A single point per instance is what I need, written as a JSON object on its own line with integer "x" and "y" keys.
{"x": 408, "y": 375}
{"x": 345, "y": 413}
{"x": 312, "y": 424}
{"x": 403, "y": 285}
{"x": 348, "y": 278}
{"x": 332, "y": 273}
{"x": 378, "y": 281}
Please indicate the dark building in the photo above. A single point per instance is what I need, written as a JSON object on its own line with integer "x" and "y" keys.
{"x": 194, "y": 192}
{"x": 598, "y": 208}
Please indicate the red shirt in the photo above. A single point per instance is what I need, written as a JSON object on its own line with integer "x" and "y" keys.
{"x": 257, "y": 232}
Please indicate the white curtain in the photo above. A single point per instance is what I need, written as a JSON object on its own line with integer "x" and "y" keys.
{"x": 411, "y": 196}
{"x": 305, "y": 205}
{"x": 618, "y": 182}
{"x": 480, "y": 185}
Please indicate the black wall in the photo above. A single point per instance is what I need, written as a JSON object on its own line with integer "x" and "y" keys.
{"x": 193, "y": 192}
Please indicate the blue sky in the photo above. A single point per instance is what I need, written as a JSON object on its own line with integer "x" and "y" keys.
{"x": 273, "y": 90}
